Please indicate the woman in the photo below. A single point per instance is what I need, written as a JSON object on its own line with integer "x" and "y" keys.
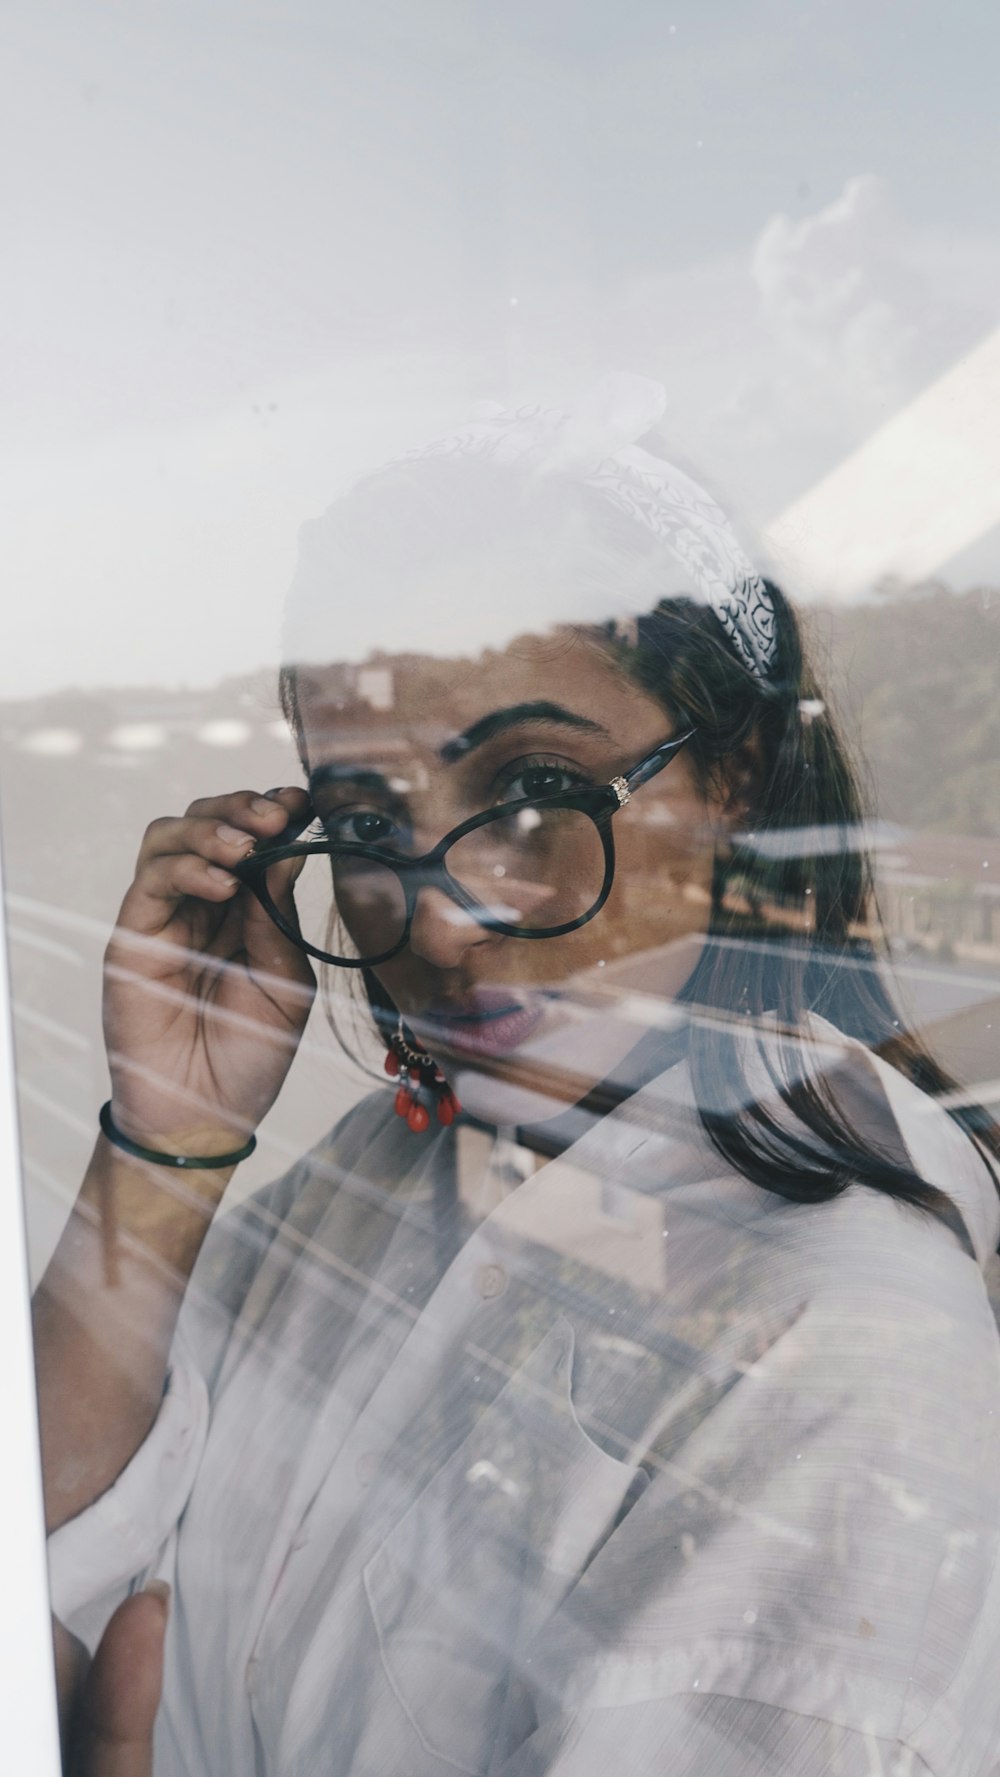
{"x": 642, "y": 1416}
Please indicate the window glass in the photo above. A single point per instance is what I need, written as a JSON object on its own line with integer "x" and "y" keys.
{"x": 501, "y": 808}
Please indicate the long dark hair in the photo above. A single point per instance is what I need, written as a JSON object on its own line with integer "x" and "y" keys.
{"x": 794, "y": 928}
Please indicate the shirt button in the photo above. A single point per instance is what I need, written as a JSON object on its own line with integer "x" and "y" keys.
{"x": 491, "y": 1281}
{"x": 251, "y": 1675}
{"x": 366, "y": 1467}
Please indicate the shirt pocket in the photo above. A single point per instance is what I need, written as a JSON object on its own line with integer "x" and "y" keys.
{"x": 467, "y": 1578}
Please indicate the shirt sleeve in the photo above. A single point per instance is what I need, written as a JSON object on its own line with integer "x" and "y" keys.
{"x": 124, "y": 1536}
{"x": 95, "y": 1558}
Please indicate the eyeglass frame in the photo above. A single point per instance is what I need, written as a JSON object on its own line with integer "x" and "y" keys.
{"x": 600, "y": 802}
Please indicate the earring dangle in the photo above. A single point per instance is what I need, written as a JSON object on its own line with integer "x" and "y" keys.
{"x": 419, "y": 1078}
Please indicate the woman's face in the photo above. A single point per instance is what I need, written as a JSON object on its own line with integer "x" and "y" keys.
{"x": 551, "y": 714}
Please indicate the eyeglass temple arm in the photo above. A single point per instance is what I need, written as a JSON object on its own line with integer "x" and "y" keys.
{"x": 655, "y": 761}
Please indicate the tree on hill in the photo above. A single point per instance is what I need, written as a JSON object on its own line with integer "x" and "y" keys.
{"x": 915, "y": 674}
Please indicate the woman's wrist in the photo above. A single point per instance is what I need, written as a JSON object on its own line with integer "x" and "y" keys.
{"x": 209, "y": 1147}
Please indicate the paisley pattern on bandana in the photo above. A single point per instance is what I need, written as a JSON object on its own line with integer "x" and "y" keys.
{"x": 696, "y": 530}
{"x": 595, "y": 446}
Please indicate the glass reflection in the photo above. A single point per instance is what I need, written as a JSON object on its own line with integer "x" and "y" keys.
{"x": 643, "y": 1401}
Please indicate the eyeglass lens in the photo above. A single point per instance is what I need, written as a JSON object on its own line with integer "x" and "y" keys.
{"x": 538, "y": 869}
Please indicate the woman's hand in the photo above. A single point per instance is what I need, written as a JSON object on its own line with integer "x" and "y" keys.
{"x": 205, "y": 1000}
{"x": 108, "y": 1719}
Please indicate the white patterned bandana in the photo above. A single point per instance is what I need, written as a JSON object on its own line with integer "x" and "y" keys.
{"x": 595, "y": 444}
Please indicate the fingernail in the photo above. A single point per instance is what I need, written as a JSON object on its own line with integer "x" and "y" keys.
{"x": 159, "y": 1589}
{"x": 262, "y": 805}
{"x": 220, "y": 874}
{"x": 283, "y": 789}
{"x": 233, "y": 836}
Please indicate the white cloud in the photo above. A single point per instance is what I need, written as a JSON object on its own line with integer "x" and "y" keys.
{"x": 840, "y": 300}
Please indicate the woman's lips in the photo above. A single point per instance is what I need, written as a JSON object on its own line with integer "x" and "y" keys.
{"x": 492, "y": 1024}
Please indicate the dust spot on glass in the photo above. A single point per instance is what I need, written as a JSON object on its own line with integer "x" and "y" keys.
{"x": 486, "y": 1474}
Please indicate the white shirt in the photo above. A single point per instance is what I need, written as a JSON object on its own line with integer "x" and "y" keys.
{"x": 637, "y": 1468}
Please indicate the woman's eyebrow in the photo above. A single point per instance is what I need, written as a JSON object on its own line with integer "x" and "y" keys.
{"x": 498, "y": 720}
{"x": 368, "y": 778}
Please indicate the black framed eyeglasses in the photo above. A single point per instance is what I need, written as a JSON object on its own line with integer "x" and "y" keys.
{"x": 532, "y": 868}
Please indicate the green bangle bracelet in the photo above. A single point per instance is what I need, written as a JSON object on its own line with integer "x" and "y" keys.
{"x": 191, "y": 1162}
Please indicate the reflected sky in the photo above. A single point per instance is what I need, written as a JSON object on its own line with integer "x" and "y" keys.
{"x": 259, "y": 248}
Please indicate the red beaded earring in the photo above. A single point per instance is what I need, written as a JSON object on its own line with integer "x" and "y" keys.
{"x": 420, "y": 1078}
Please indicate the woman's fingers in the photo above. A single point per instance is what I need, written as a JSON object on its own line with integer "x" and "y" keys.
{"x": 224, "y": 827}
{"x": 194, "y": 855}
{"x": 216, "y": 841}
{"x": 160, "y": 884}
{"x": 291, "y": 798}
{"x": 122, "y": 1691}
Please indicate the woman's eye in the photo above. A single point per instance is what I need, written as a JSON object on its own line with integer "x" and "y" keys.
{"x": 361, "y": 826}
{"x": 535, "y": 781}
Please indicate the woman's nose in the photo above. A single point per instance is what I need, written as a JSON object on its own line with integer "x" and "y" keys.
{"x": 441, "y": 932}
